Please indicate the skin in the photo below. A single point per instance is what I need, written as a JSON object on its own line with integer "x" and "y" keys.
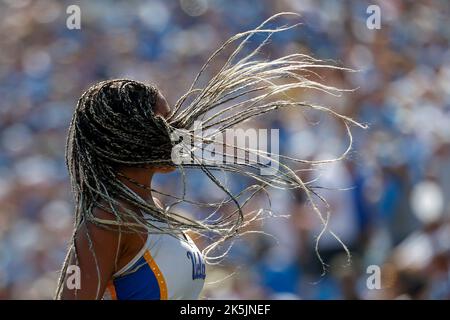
{"x": 112, "y": 255}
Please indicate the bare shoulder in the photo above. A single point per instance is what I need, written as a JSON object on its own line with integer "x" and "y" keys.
{"x": 98, "y": 234}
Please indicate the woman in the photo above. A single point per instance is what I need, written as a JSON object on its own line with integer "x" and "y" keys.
{"x": 125, "y": 260}
{"x": 125, "y": 243}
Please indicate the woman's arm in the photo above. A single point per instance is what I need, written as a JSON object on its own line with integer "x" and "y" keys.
{"x": 95, "y": 272}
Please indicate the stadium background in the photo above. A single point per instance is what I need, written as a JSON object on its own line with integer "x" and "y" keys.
{"x": 396, "y": 215}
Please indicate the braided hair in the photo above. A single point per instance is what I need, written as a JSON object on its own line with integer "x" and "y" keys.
{"x": 114, "y": 125}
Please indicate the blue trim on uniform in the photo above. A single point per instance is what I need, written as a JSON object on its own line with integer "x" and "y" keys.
{"x": 139, "y": 285}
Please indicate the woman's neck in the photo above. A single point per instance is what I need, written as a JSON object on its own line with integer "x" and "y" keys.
{"x": 143, "y": 177}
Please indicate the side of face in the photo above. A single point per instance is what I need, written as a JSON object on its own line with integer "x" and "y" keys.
{"x": 161, "y": 107}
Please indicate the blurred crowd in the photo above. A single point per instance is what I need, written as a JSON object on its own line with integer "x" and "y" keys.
{"x": 389, "y": 198}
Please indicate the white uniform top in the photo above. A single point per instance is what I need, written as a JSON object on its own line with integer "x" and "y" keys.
{"x": 167, "y": 267}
